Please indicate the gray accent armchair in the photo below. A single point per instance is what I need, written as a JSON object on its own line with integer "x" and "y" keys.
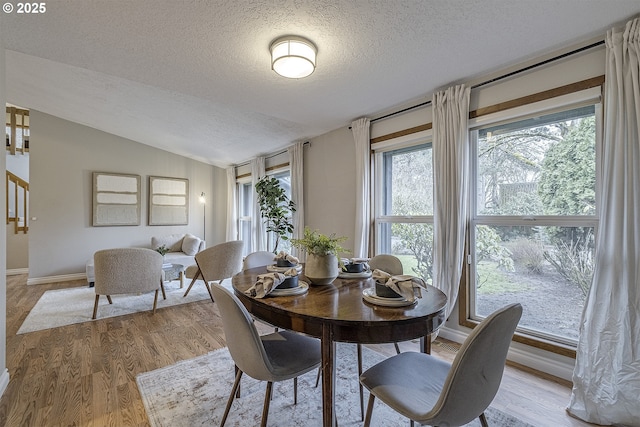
{"x": 127, "y": 271}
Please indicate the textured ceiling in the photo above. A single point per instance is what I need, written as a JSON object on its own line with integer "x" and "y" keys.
{"x": 193, "y": 77}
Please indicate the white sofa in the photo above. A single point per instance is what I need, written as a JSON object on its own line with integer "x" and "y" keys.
{"x": 182, "y": 250}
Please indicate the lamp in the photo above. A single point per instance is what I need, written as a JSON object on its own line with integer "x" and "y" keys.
{"x": 203, "y": 200}
{"x": 293, "y": 57}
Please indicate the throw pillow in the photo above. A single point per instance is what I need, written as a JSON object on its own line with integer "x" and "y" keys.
{"x": 190, "y": 244}
{"x": 172, "y": 241}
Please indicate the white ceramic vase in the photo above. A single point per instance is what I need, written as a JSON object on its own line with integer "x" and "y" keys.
{"x": 321, "y": 270}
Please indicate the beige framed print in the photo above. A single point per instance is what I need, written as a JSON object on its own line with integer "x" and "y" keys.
{"x": 116, "y": 199}
{"x": 168, "y": 201}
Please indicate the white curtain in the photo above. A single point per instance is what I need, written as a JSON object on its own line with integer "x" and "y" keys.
{"x": 451, "y": 187}
{"x": 360, "y": 129}
{"x": 232, "y": 205}
{"x": 296, "y": 163}
{"x": 258, "y": 233}
{"x": 606, "y": 379}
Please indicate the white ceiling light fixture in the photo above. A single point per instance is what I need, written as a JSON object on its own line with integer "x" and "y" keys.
{"x": 293, "y": 57}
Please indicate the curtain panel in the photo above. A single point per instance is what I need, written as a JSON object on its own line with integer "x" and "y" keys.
{"x": 232, "y": 205}
{"x": 606, "y": 378}
{"x": 360, "y": 129}
{"x": 258, "y": 233}
{"x": 451, "y": 187}
{"x": 296, "y": 163}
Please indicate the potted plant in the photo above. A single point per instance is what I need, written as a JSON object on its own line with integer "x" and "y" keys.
{"x": 323, "y": 264}
{"x": 276, "y": 208}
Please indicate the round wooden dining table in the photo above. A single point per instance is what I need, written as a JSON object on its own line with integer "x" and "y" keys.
{"x": 338, "y": 312}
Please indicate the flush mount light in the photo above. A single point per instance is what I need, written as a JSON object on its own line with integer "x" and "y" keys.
{"x": 293, "y": 57}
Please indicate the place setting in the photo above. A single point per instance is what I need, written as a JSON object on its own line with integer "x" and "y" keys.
{"x": 285, "y": 262}
{"x": 394, "y": 291}
{"x": 354, "y": 268}
{"x": 278, "y": 284}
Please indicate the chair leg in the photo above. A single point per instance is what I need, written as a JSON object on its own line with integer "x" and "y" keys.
{"x": 155, "y": 302}
{"x": 265, "y": 408}
{"x": 95, "y": 308}
{"x": 397, "y": 347}
{"x": 483, "y": 420}
{"x": 359, "y": 383}
{"x": 367, "y": 419}
{"x": 230, "y": 401}
{"x": 236, "y": 369}
{"x": 164, "y": 294}
{"x": 295, "y": 391}
{"x": 209, "y": 290}
{"x": 318, "y": 376}
{"x": 197, "y": 275}
{"x": 109, "y": 299}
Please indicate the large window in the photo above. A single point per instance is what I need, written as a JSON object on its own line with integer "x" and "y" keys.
{"x": 245, "y": 212}
{"x": 404, "y": 207}
{"x": 244, "y": 187}
{"x": 534, "y": 218}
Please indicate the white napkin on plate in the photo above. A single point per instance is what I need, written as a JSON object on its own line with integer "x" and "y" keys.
{"x": 410, "y": 287}
{"x": 268, "y": 282}
{"x": 288, "y": 257}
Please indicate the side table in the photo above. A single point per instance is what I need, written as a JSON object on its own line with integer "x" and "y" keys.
{"x": 173, "y": 272}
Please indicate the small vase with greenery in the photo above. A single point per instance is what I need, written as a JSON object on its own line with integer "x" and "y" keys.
{"x": 276, "y": 208}
{"x": 323, "y": 262}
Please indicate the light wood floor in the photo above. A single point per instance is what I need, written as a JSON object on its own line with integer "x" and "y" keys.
{"x": 84, "y": 374}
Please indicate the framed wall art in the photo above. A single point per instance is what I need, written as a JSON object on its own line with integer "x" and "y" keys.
{"x": 116, "y": 199}
{"x": 168, "y": 201}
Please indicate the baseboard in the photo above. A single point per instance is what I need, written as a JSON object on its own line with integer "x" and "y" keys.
{"x": 55, "y": 279}
{"x": 16, "y": 271}
{"x": 521, "y": 356}
{"x": 4, "y": 381}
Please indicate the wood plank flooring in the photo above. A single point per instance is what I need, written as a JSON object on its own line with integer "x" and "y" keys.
{"x": 84, "y": 374}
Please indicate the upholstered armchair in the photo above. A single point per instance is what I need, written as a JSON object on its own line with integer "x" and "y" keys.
{"x": 127, "y": 271}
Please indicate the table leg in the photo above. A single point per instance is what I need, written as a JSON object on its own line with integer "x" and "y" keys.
{"x": 328, "y": 349}
{"x": 425, "y": 344}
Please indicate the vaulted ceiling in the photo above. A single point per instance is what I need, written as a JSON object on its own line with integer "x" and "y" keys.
{"x": 193, "y": 77}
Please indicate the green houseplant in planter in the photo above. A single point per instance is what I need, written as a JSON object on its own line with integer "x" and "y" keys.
{"x": 276, "y": 208}
{"x": 322, "y": 265}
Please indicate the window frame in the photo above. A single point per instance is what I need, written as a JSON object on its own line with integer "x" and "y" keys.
{"x": 379, "y": 188}
{"x": 565, "y": 102}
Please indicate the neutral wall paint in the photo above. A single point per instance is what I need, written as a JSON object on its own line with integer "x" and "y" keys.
{"x": 63, "y": 156}
{"x": 4, "y": 373}
{"x": 329, "y": 179}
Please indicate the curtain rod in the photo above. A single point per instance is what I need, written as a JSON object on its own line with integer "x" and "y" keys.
{"x": 269, "y": 156}
{"x": 513, "y": 73}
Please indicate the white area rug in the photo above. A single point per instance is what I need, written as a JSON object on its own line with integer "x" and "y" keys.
{"x": 194, "y": 392}
{"x": 63, "y": 307}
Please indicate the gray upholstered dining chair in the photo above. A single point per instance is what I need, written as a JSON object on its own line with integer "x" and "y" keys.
{"x": 258, "y": 259}
{"x": 216, "y": 263}
{"x": 127, "y": 271}
{"x": 278, "y": 356}
{"x": 435, "y": 392}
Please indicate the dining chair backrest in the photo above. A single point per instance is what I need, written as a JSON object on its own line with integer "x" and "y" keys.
{"x": 258, "y": 259}
{"x": 476, "y": 371}
{"x": 243, "y": 340}
{"x": 220, "y": 261}
{"x": 389, "y": 263}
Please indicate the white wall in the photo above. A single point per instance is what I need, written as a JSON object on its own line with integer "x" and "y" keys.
{"x": 4, "y": 373}
{"x": 329, "y": 179}
{"x": 63, "y": 156}
{"x": 330, "y": 164}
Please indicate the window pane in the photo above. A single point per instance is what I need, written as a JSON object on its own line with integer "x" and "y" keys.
{"x": 408, "y": 181}
{"x": 539, "y": 166}
{"x": 412, "y": 243}
{"x": 546, "y": 269}
{"x": 245, "y": 199}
